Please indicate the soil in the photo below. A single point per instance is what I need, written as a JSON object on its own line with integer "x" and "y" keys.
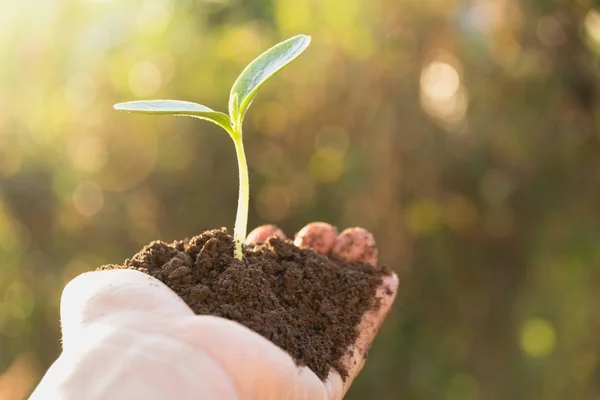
{"x": 305, "y": 303}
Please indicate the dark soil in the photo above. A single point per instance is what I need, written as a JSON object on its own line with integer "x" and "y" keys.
{"x": 305, "y": 303}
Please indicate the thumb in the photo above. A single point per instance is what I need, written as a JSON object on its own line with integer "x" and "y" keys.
{"x": 115, "y": 297}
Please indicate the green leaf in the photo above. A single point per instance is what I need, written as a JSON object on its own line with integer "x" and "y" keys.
{"x": 258, "y": 71}
{"x": 176, "y": 107}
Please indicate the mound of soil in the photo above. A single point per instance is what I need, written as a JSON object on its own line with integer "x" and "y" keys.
{"x": 304, "y": 302}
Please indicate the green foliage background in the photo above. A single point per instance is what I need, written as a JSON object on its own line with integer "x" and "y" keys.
{"x": 462, "y": 133}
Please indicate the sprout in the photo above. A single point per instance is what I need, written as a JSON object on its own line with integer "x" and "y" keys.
{"x": 242, "y": 93}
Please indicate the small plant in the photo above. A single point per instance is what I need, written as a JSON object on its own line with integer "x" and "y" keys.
{"x": 242, "y": 93}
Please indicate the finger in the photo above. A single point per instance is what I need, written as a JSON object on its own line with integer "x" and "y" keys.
{"x": 262, "y": 233}
{"x": 318, "y": 236}
{"x": 368, "y": 327}
{"x": 358, "y": 245}
{"x": 334, "y": 385}
{"x": 142, "y": 363}
{"x": 240, "y": 350}
{"x": 115, "y": 296}
{"x": 355, "y": 245}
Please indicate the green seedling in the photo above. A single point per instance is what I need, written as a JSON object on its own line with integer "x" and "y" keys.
{"x": 242, "y": 93}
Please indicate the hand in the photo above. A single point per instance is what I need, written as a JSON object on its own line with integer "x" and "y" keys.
{"x": 128, "y": 336}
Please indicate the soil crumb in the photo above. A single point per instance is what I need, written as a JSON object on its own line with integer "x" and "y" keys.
{"x": 304, "y": 302}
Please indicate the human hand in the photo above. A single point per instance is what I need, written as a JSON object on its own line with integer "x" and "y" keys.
{"x": 128, "y": 336}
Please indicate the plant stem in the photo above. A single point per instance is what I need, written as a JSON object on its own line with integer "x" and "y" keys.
{"x": 241, "y": 218}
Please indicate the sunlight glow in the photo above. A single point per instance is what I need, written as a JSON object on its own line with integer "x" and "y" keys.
{"x": 442, "y": 94}
{"x": 439, "y": 81}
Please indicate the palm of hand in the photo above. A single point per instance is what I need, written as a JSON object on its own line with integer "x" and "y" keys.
{"x": 126, "y": 336}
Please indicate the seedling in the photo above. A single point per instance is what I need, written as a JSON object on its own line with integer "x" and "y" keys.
{"x": 242, "y": 93}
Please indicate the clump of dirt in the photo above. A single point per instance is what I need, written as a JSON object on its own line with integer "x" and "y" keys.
{"x": 304, "y": 302}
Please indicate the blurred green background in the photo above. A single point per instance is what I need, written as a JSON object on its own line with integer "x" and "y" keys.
{"x": 462, "y": 133}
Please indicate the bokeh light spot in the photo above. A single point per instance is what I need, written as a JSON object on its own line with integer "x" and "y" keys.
{"x": 144, "y": 79}
{"x": 439, "y": 80}
{"x": 538, "y": 337}
{"x": 449, "y": 110}
{"x": 592, "y": 25}
{"x": 442, "y": 94}
{"x": 326, "y": 165}
{"x": 88, "y": 198}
